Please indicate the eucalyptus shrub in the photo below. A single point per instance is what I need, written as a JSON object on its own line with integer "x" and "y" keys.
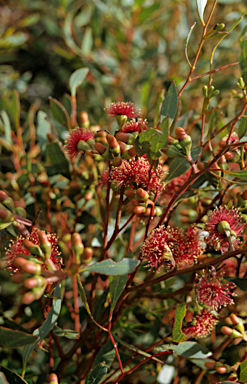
{"x": 128, "y": 247}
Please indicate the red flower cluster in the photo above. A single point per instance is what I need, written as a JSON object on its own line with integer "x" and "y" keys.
{"x": 201, "y": 325}
{"x": 75, "y": 136}
{"x": 167, "y": 246}
{"x": 135, "y": 174}
{"x": 135, "y": 126}
{"x": 120, "y": 108}
{"x": 16, "y": 247}
{"x": 212, "y": 292}
{"x": 230, "y": 219}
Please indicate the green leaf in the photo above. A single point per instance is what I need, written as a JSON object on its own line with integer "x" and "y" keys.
{"x": 160, "y": 139}
{"x": 58, "y": 160}
{"x": 96, "y": 374}
{"x": 188, "y": 349}
{"x": 141, "y": 148}
{"x": 47, "y": 325}
{"x": 43, "y": 127}
{"x": 186, "y": 44}
{"x": 158, "y": 106}
{"x": 105, "y": 355}
{"x": 16, "y": 108}
{"x": 7, "y": 127}
{"x": 76, "y": 79}
{"x": 59, "y": 113}
{"x": 170, "y": 104}
{"x": 133, "y": 348}
{"x": 177, "y": 334}
{"x": 112, "y": 268}
{"x": 117, "y": 284}
{"x": 240, "y": 174}
{"x": 242, "y": 129}
{"x": 243, "y": 60}
{"x": 240, "y": 282}
{"x": 177, "y": 168}
{"x": 164, "y": 126}
{"x": 13, "y": 339}
{"x": 147, "y": 11}
{"x": 87, "y": 42}
{"x": 11, "y": 377}
{"x": 147, "y": 135}
{"x": 201, "y": 4}
{"x": 243, "y": 371}
{"x": 85, "y": 303}
{"x": 71, "y": 335}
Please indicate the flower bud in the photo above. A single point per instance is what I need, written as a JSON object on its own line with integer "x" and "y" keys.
{"x": 205, "y": 91}
{"x": 100, "y": 148}
{"x": 77, "y": 247}
{"x": 45, "y": 245}
{"x": 210, "y": 365}
{"x": 87, "y": 255}
{"x": 33, "y": 248}
{"x": 158, "y": 211}
{"x": 139, "y": 209}
{"x": 129, "y": 153}
{"x": 18, "y": 278}
{"x": 33, "y": 282}
{"x": 117, "y": 161}
{"x": 84, "y": 119}
{"x": 131, "y": 193}
{"x": 53, "y": 379}
{"x": 113, "y": 144}
{"x": 28, "y": 298}
{"x": 6, "y": 201}
{"x": 241, "y": 82}
{"x": 83, "y": 146}
{"x": 6, "y": 217}
{"x": 221, "y": 369}
{"x": 142, "y": 194}
{"x": 122, "y": 136}
{"x": 224, "y": 228}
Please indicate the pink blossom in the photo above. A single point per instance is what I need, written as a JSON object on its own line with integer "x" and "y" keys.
{"x": 75, "y": 136}
{"x": 226, "y": 217}
{"x": 121, "y": 108}
{"x": 16, "y": 247}
{"x": 201, "y": 325}
{"x": 135, "y": 174}
{"x": 135, "y": 126}
{"x": 211, "y": 291}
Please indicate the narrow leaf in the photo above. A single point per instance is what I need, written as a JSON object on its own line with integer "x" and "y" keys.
{"x": 187, "y": 349}
{"x": 7, "y": 126}
{"x": 47, "y": 325}
{"x": 85, "y": 303}
{"x": 43, "y": 128}
{"x": 186, "y": 44}
{"x": 76, "y": 79}
{"x": 59, "y": 113}
{"x": 117, "y": 285}
{"x": 201, "y": 4}
{"x": 112, "y": 268}
{"x": 105, "y": 355}
{"x": 177, "y": 334}
{"x": 67, "y": 333}
{"x": 243, "y": 60}
{"x": 177, "y": 168}
{"x": 243, "y": 371}
{"x": 240, "y": 174}
{"x": 170, "y": 104}
{"x": 13, "y": 339}
{"x": 11, "y": 377}
{"x": 242, "y": 129}
{"x": 58, "y": 160}
{"x": 96, "y": 374}
{"x": 135, "y": 349}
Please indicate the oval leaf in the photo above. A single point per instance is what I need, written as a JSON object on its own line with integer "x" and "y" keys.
{"x": 177, "y": 334}
{"x": 111, "y": 268}
{"x": 117, "y": 285}
{"x": 58, "y": 160}
{"x": 13, "y": 339}
{"x": 243, "y": 371}
{"x": 242, "y": 129}
{"x": 76, "y": 79}
{"x": 96, "y": 374}
{"x": 201, "y": 4}
{"x": 169, "y": 107}
{"x": 59, "y": 113}
{"x": 105, "y": 355}
{"x": 11, "y": 377}
{"x": 186, "y": 44}
{"x": 47, "y": 325}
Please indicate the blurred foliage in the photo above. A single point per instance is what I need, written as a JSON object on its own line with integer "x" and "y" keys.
{"x": 133, "y": 49}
